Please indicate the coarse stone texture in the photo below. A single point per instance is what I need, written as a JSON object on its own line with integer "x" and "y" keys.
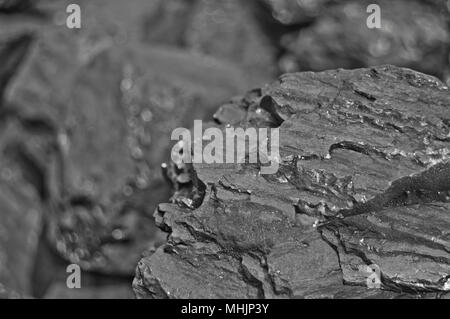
{"x": 364, "y": 179}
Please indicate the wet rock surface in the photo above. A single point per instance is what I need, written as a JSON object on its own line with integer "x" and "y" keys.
{"x": 364, "y": 164}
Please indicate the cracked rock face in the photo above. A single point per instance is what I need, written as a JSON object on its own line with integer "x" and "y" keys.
{"x": 412, "y": 254}
{"x": 363, "y": 180}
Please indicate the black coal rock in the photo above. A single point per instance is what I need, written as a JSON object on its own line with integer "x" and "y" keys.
{"x": 363, "y": 180}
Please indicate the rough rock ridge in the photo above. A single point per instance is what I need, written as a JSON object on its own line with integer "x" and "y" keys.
{"x": 364, "y": 179}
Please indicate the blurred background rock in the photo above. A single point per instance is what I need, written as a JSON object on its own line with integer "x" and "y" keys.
{"x": 86, "y": 115}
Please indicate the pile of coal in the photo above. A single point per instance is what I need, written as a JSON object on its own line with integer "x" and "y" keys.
{"x": 363, "y": 184}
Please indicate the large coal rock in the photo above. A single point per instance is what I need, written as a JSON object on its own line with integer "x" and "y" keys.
{"x": 363, "y": 182}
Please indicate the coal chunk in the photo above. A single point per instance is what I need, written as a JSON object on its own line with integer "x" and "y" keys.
{"x": 364, "y": 162}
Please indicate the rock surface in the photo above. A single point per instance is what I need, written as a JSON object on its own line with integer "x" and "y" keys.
{"x": 363, "y": 180}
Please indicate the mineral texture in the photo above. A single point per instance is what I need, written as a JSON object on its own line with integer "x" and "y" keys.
{"x": 363, "y": 183}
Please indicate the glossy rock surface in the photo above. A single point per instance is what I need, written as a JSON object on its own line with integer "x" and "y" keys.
{"x": 364, "y": 164}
